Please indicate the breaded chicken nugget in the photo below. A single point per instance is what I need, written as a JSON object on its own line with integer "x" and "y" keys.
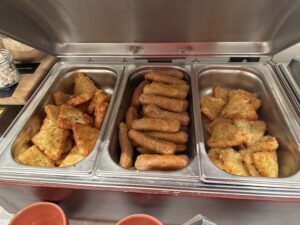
{"x": 80, "y": 99}
{"x": 239, "y": 108}
{"x": 214, "y": 155}
{"x": 72, "y": 158}
{"x": 211, "y": 107}
{"x": 52, "y": 112}
{"x": 137, "y": 93}
{"x": 171, "y": 104}
{"x": 225, "y": 135}
{"x": 61, "y": 98}
{"x": 150, "y": 124}
{"x": 253, "y": 130}
{"x": 266, "y": 143}
{"x": 33, "y": 156}
{"x": 266, "y": 163}
{"x": 166, "y": 90}
{"x": 222, "y": 93}
{"x": 154, "y": 111}
{"x": 242, "y": 94}
{"x": 219, "y": 119}
{"x": 69, "y": 115}
{"x": 164, "y": 78}
{"x": 83, "y": 84}
{"x": 85, "y": 138}
{"x": 233, "y": 162}
{"x": 161, "y": 162}
{"x": 249, "y": 163}
{"x": 100, "y": 112}
{"x": 100, "y": 96}
{"x": 51, "y": 139}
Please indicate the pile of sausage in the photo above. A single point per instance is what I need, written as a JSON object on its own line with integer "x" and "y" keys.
{"x": 156, "y": 123}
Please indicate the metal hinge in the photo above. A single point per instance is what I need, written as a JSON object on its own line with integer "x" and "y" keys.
{"x": 244, "y": 59}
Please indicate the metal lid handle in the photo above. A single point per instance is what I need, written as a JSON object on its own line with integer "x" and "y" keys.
{"x": 200, "y": 220}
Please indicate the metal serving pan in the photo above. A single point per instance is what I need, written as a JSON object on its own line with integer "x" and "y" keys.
{"x": 280, "y": 123}
{"x": 59, "y": 79}
{"x": 108, "y": 163}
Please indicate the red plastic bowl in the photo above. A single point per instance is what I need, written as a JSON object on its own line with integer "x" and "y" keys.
{"x": 139, "y": 219}
{"x": 40, "y": 213}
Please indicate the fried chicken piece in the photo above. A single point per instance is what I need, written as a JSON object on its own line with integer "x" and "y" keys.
{"x": 85, "y": 138}
{"x": 253, "y": 130}
{"x": 154, "y": 111}
{"x": 69, "y": 115}
{"x": 83, "y": 84}
{"x": 153, "y": 144}
{"x": 33, "y": 156}
{"x": 51, "y": 139}
{"x": 239, "y": 108}
{"x": 99, "y": 113}
{"x": 180, "y": 137}
{"x": 167, "y": 90}
{"x": 214, "y": 155}
{"x": 266, "y": 163}
{"x": 233, "y": 162}
{"x": 211, "y": 107}
{"x": 72, "y": 158}
{"x": 160, "y": 125}
{"x": 137, "y": 93}
{"x": 211, "y": 126}
{"x": 61, "y": 98}
{"x": 171, "y": 104}
{"x": 161, "y": 162}
{"x": 249, "y": 163}
{"x": 222, "y": 93}
{"x": 255, "y": 101}
{"x": 266, "y": 143}
{"x": 225, "y": 135}
{"x": 164, "y": 78}
{"x": 52, "y": 112}
{"x": 126, "y": 156}
{"x": 131, "y": 115}
{"x": 80, "y": 99}
{"x": 100, "y": 96}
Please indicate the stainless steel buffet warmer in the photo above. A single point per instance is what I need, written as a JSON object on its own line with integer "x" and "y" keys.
{"x": 230, "y": 43}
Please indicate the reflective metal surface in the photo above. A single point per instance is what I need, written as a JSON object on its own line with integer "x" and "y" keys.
{"x": 60, "y": 79}
{"x": 170, "y": 209}
{"x": 289, "y": 76}
{"x": 109, "y": 159}
{"x": 257, "y": 79}
{"x": 7, "y": 114}
{"x": 112, "y": 27}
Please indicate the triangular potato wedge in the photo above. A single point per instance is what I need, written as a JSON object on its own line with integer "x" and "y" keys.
{"x": 69, "y": 115}
{"x": 85, "y": 138}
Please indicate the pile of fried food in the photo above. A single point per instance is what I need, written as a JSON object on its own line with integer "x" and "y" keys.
{"x": 156, "y": 123}
{"x": 238, "y": 142}
{"x": 71, "y": 127}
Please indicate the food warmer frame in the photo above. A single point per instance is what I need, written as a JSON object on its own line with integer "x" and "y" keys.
{"x": 127, "y": 37}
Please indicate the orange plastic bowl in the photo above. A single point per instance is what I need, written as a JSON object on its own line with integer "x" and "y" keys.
{"x": 139, "y": 219}
{"x": 40, "y": 213}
